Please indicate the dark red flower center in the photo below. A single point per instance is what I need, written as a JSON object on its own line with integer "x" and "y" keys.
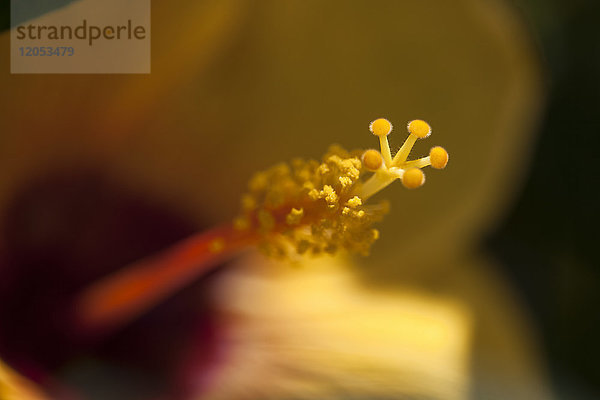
{"x": 60, "y": 234}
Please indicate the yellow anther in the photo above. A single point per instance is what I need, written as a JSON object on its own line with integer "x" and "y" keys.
{"x": 350, "y": 167}
{"x": 380, "y": 127}
{"x": 295, "y": 216}
{"x": 438, "y": 157}
{"x": 413, "y": 178}
{"x": 354, "y": 202}
{"x": 345, "y": 181}
{"x": 328, "y": 193}
{"x": 419, "y": 128}
{"x": 327, "y": 190}
{"x": 372, "y": 160}
{"x": 323, "y": 169}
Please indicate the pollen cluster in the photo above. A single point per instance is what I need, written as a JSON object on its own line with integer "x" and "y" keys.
{"x": 312, "y": 207}
{"x": 308, "y": 207}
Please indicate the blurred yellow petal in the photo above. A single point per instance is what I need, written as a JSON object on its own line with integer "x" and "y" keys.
{"x": 322, "y": 335}
{"x": 15, "y": 387}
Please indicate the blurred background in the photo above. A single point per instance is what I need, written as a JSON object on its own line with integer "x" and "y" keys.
{"x": 511, "y": 88}
{"x": 548, "y": 240}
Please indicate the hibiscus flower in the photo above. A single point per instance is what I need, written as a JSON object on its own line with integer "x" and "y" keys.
{"x": 102, "y": 170}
